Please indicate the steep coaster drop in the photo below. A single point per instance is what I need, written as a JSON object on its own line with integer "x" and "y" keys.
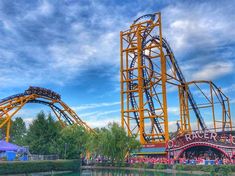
{"x": 148, "y": 70}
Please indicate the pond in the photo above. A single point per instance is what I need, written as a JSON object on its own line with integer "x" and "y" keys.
{"x": 109, "y": 172}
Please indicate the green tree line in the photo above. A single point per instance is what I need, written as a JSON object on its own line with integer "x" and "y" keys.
{"x": 46, "y": 136}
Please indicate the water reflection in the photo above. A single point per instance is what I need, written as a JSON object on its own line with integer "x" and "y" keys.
{"x": 120, "y": 173}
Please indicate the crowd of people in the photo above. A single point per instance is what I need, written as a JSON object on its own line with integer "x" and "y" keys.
{"x": 193, "y": 156}
{"x": 181, "y": 160}
{"x": 153, "y": 160}
{"x": 203, "y": 157}
{"x": 185, "y": 159}
{"x": 200, "y": 157}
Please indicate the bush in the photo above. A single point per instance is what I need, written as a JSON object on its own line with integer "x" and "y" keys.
{"x": 38, "y": 166}
{"x": 218, "y": 170}
{"x": 150, "y": 165}
{"x": 225, "y": 170}
{"x": 136, "y": 165}
{"x": 160, "y": 166}
{"x": 212, "y": 169}
{"x": 117, "y": 164}
{"x": 191, "y": 167}
{"x": 140, "y": 165}
{"x": 179, "y": 167}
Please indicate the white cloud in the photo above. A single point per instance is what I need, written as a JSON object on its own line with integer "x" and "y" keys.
{"x": 172, "y": 126}
{"x": 232, "y": 101}
{"x": 94, "y": 41}
{"x": 98, "y": 123}
{"x": 213, "y": 70}
{"x": 98, "y": 114}
{"x": 228, "y": 89}
{"x": 28, "y": 121}
{"x": 63, "y": 48}
{"x": 203, "y": 24}
{"x": 173, "y": 110}
{"x": 82, "y": 54}
{"x": 43, "y": 9}
{"x": 95, "y": 105}
{"x": 100, "y": 117}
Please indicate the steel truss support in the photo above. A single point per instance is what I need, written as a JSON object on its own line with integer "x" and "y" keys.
{"x": 212, "y": 101}
{"x": 185, "y": 125}
{"x": 148, "y": 68}
{"x": 143, "y": 89}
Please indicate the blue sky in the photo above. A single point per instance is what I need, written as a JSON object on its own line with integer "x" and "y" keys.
{"x": 72, "y": 47}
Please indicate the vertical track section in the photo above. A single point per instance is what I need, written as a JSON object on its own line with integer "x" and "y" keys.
{"x": 142, "y": 61}
{"x": 148, "y": 24}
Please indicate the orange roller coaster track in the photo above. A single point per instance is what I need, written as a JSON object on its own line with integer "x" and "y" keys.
{"x": 211, "y": 99}
{"x": 11, "y": 105}
{"x": 148, "y": 69}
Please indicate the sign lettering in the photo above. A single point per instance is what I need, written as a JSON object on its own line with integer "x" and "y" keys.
{"x": 197, "y": 135}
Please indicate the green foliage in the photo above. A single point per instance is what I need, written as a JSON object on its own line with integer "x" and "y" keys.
{"x": 209, "y": 168}
{"x": 212, "y": 169}
{"x": 46, "y": 136}
{"x": 151, "y": 166}
{"x": 136, "y": 165}
{"x": 160, "y": 166}
{"x": 72, "y": 142}
{"x": 113, "y": 142}
{"x": 42, "y": 135}
{"x": 18, "y": 131}
{"x": 225, "y": 170}
{"x": 38, "y": 166}
{"x": 190, "y": 167}
{"x": 93, "y": 142}
{"x": 179, "y": 167}
{"x": 3, "y": 129}
{"x": 142, "y": 165}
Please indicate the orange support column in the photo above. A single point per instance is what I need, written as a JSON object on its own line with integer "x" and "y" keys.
{"x": 163, "y": 75}
{"x": 8, "y": 130}
{"x": 140, "y": 85}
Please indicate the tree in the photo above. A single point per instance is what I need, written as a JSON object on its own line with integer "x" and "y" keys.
{"x": 73, "y": 141}
{"x": 4, "y": 128}
{"x": 93, "y": 143}
{"x": 43, "y": 134}
{"x": 18, "y": 131}
{"x": 52, "y": 134}
{"x": 114, "y": 143}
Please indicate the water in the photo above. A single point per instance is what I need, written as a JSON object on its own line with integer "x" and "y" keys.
{"x": 104, "y": 172}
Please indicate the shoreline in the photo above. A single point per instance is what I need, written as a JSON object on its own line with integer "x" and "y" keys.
{"x": 173, "y": 170}
{"x": 169, "y": 171}
{"x": 49, "y": 172}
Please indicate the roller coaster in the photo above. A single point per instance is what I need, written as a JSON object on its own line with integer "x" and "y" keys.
{"x": 11, "y": 105}
{"x": 148, "y": 69}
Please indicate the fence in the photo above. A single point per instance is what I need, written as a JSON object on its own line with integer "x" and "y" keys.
{"x": 43, "y": 157}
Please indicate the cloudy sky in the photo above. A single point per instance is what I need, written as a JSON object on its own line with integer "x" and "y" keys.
{"x": 72, "y": 47}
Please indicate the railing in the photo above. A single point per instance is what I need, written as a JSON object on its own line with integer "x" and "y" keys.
{"x": 43, "y": 157}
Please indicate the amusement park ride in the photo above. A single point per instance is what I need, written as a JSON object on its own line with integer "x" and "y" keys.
{"x": 148, "y": 70}
{"x": 11, "y": 105}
